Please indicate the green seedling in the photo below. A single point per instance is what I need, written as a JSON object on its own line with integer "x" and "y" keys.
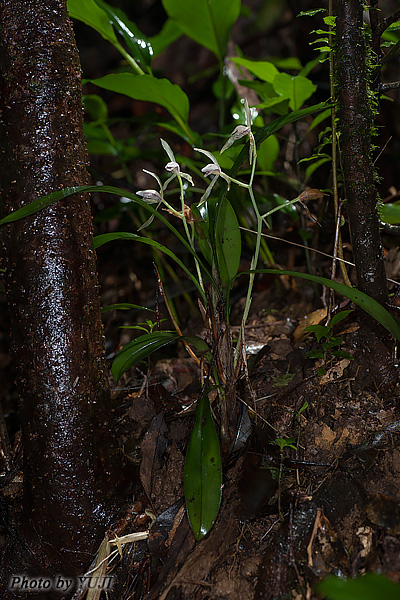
{"x": 324, "y": 334}
{"x": 283, "y": 443}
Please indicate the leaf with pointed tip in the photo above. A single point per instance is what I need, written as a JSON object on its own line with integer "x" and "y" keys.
{"x": 208, "y": 22}
{"x": 91, "y": 14}
{"x": 369, "y": 305}
{"x": 137, "y": 43}
{"x": 203, "y": 472}
{"x": 140, "y": 349}
{"x": 149, "y": 89}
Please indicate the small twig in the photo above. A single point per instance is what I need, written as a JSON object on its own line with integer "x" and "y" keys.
{"x": 387, "y": 22}
{"x": 177, "y": 328}
{"x": 389, "y": 86}
{"x": 273, "y": 237}
{"x": 383, "y": 149}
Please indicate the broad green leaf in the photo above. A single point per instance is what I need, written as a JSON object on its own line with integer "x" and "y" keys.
{"x": 368, "y": 587}
{"x": 95, "y": 107}
{"x": 369, "y": 305}
{"x": 140, "y": 349}
{"x": 97, "y": 140}
{"x": 267, "y": 153}
{"x": 227, "y": 242}
{"x": 149, "y": 89}
{"x": 291, "y": 63}
{"x": 203, "y": 472}
{"x": 202, "y": 235}
{"x": 260, "y": 68}
{"x": 320, "y": 331}
{"x": 275, "y": 104}
{"x": 297, "y": 88}
{"x": 91, "y": 14}
{"x": 137, "y": 43}
{"x": 339, "y": 317}
{"x": 390, "y": 212}
{"x": 208, "y": 22}
{"x": 168, "y": 34}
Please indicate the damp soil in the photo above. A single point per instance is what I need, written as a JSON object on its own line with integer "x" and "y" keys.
{"x": 326, "y": 504}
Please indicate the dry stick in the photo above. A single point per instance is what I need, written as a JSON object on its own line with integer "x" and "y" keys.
{"x": 175, "y": 324}
{"x": 334, "y": 261}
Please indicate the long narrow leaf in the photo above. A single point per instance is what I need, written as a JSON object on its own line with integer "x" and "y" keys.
{"x": 140, "y": 349}
{"x": 104, "y": 238}
{"x": 146, "y": 344}
{"x": 369, "y": 305}
{"x": 227, "y": 242}
{"x": 49, "y": 199}
{"x": 203, "y": 472}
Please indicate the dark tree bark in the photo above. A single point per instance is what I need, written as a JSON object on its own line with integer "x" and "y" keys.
{"x": 71, "y": 462}
{"x": 355, "y": 122}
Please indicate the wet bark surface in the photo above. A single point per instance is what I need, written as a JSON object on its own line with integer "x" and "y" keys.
{"x": 71, "y": 464}
{"x": 356, "y": 120}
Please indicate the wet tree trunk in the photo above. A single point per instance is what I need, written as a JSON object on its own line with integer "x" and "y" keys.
{"x": 71, "y": 463}
{"x": 355, "y": 121}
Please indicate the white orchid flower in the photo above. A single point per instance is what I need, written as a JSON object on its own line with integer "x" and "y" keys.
{"x": 150, "y": 196}
{"x": 240, "y": 131}
{"x": 212, "y": 169}
{"x": 173, "y": 167}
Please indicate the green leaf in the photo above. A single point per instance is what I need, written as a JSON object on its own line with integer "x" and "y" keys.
{"x": 339, "y": 317}
{"x": 149, "y": 89}
{"x": 390, "y": 212}
{"x": 49, "y": 199}
{"x": 208, "y": 22}
{"x": 104, "y": 238}
{"x": 95, "y": 107}
{"x": 125, "y": 306}
{"x": 315, "y": 354}
{"x": 137, "y": 43}
{"x": 228, "y": 243}
{"x": 368, "y": 587}
{"x": 311, "y": 13}
{"x": 146, "y": 344}
{"x": 39, "y": 204}
{"x": 140, "y": 349}
{"x": 168, "y": 34}
{"x": 320, "y": 331}
{"x": 202, "y": 234}
{"x": 267, "y": 153}
{"x": 283, "y": 380}
{"x": 274, "y": 126}
{"x": 260, "y": 68}
{"x": 91, "y": 14}
{"x": 203, "y": 472}
{"x": 369, "y": 305}
{"x": 297, "y": 88}
{"x": 285, "y": 443}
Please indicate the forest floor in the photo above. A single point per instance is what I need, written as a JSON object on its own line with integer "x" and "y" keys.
{"x": 326, "y": 504}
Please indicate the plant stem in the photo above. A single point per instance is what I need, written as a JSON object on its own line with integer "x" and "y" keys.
{"x": 253, "y": 263}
